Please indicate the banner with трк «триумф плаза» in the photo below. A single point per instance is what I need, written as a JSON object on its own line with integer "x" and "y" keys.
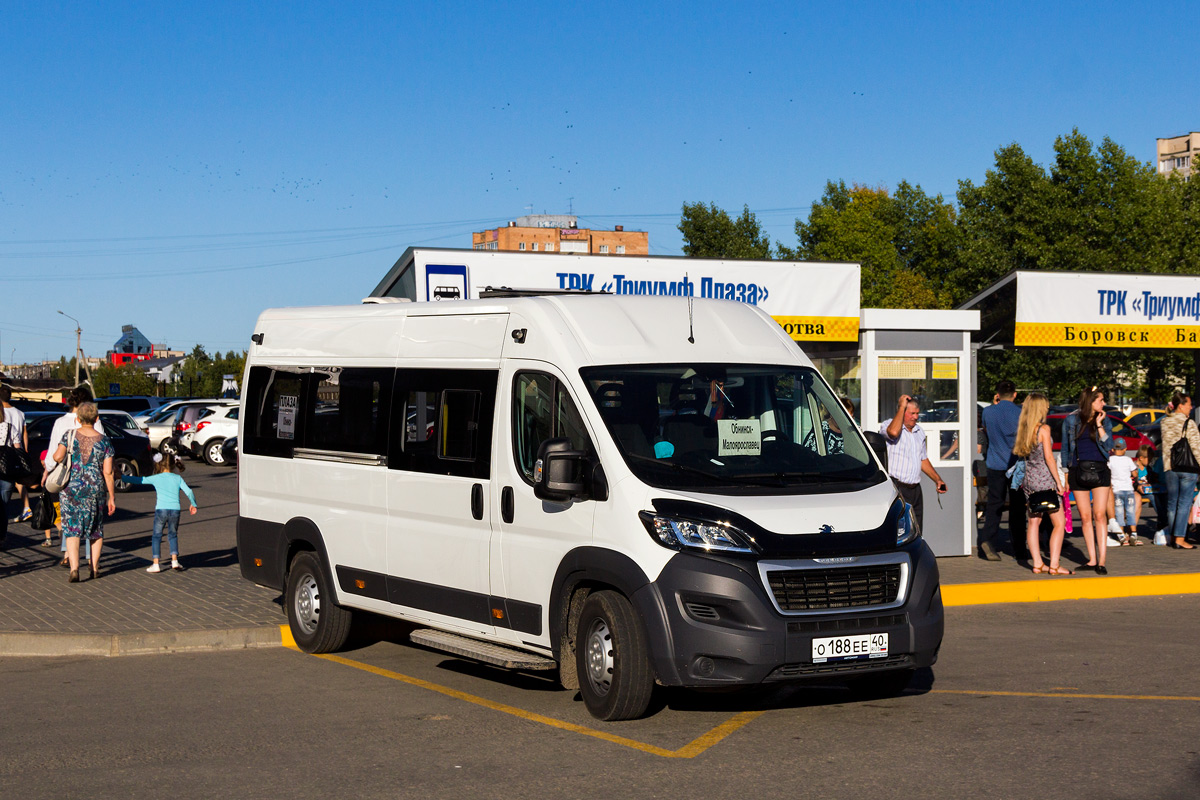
{"x": 1091, "y": 309}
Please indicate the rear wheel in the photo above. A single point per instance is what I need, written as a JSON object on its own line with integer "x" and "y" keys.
{"x": 168, "y": 447}
{"x": 317, "y": 624}
{"x": 612, "y": 658}
{"x": 123, "y": 467}
{"x": 213, "y": 453}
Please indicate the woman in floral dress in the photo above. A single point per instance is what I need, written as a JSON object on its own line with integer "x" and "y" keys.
{"x": 83, "y": 497}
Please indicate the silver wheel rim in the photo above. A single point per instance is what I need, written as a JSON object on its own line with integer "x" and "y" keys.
{"x": 600, "y": 657}
{"x": 124, "y": 470}
{"x": 307, "y": 603}
{"x": 214, "y": 453}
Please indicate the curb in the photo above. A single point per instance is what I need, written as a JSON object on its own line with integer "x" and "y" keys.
{"x": 1051, "y": 588}
{"x": 26, "y": 643}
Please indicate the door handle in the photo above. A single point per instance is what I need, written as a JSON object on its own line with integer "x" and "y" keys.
{"x": 506, "y": 504}
{"x": 477, "y": 501}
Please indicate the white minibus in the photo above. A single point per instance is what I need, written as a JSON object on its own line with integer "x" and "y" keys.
{"x": 632, "y": 491}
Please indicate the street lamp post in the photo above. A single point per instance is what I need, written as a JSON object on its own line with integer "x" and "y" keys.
{"x": 79, "y": 360}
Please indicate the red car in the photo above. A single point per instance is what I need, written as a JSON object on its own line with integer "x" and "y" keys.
{"x": 1121, "y": 430}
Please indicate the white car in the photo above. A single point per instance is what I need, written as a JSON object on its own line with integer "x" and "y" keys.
{"x": 212, "y": 428}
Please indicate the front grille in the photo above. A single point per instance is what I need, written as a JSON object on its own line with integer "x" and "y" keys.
{"x": 839, "y": 624}
{"x": 839, "y": 587}
{"x": 793, "y": 671}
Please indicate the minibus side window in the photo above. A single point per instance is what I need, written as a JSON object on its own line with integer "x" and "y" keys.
{"x": 542, "y": 409}
{"x": 442, "y": 421}
{"x": 273, "y": 425}
{"x": 343, "y": 412}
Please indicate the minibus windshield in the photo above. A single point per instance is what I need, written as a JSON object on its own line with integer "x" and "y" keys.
{"x": 731, "y": 428}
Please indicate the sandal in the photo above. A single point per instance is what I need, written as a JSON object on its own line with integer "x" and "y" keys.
{"x": 47, "y": 543}
{"x": 1060, "y": 571}
{"x": 1041, "y": 569}
{"x": 66, "y": 562}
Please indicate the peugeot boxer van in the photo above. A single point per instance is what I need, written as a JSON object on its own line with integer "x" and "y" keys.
{"x": 628, "y": 490}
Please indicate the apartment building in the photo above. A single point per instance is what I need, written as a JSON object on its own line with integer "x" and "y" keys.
{"x": 1178, "y": 154}
{"x": 560, "y": 233}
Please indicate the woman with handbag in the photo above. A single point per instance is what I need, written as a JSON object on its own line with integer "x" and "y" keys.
{"x": 1181, "y": 455}
{"x": 1042, "y": 488}
{"x": 83, "y": 496}
{"x": 1086, "y": 445}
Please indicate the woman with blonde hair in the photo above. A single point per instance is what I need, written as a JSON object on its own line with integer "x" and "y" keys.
{"x": 1042, "y": 488}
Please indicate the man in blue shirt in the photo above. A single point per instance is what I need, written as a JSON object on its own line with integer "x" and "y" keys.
{"x": 1000, "y": 426}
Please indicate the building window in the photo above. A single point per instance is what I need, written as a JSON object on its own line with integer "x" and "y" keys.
{"x": 603, "y": 249}
{"x": 533, "y": 247}
{"x": 620, "y": 249}
{"x": 549, "y": 246}
{"x": 521, "y": 246}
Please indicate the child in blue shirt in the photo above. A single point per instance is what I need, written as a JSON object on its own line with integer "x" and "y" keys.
{"x": 168, "y": 485}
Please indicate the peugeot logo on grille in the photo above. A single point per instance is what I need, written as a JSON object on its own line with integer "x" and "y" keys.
{"x": 825, "y": 529}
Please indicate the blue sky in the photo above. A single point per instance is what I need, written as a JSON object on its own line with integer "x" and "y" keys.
{"x": 182, "y": 166}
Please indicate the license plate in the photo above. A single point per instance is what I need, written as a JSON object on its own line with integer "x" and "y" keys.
{"x": 847, "y": 648}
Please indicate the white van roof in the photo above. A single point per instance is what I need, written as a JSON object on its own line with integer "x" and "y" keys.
{"x": 583, "y": 329}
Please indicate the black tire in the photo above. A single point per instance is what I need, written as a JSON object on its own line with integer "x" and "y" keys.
{"x": 122, "y": 467}
{"x": 317, "y": 624}
{"x": 168, "y": 447}
{"x": 612, "y": 658}
{"x": 212, "y": 452}
{"x": 882, "y": 684}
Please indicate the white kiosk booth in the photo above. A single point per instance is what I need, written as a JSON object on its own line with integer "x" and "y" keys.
{"x": 870, "y": 356}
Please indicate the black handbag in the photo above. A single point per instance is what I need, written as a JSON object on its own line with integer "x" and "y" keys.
{"x": 43, "y": 514}
{"x": 1090, "y": 475}
{"x": 1044, "y": 502}
{"x": 1182, "y": 457}
{"x": 18, "y": 466}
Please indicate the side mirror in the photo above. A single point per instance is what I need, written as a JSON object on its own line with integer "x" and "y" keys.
{"x": 879, "y": 445}
{"x": 559, "y": 474}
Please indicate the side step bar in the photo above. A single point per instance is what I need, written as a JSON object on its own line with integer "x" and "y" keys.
{"x": 486, "y": 652}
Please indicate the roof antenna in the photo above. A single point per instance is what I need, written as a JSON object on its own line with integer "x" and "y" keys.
{"x": 691, "y": 331}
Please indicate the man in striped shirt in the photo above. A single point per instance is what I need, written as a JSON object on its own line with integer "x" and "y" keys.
{"x": 908, "y": 456}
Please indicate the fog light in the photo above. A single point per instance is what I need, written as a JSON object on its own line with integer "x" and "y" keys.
{"x": 703, "y": 667}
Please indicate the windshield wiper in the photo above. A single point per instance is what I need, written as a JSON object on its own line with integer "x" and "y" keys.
{"x": 679, "y": 467}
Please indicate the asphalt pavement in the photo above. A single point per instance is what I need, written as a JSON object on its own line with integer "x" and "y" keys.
{"x": 209, "y": 606}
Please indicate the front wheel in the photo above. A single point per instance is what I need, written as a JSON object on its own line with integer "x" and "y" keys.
{"x": 317, "y": 624}
{"x": 213, "y": 453}
{"x": 612, "y": 658}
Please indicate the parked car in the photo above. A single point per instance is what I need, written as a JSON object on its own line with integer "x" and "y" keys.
{"x": 164, "y": 426}
{"x": 133, "y": 453}
{"x": 1140, "y": 417}
{"x": 1132, "y": 436}
{"x": 214, "y": 425}
{"x": 146, "y": 416}
{"x": 229, "y": 451}
{"x": 132, "y": 403}
{"x": 188, "y": 418}
{"x": 122, "y": 420}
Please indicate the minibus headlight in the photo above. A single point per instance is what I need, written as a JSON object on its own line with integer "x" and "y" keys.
{"x": 679, "y": 534}
{"x": 906, "y": 526}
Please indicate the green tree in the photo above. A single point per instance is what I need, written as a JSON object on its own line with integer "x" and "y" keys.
{"x": 709, "y": 232}
{"x": 130, "y": 379}
{"x": 905, "y": 243}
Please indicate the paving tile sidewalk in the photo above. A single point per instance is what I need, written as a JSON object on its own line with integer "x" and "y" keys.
{"x": 210, "y": 606}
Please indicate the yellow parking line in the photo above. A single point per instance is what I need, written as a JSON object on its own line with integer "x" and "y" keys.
{"x": 1076, "y": 695}
{"x": 1069, "y": 588}
{"x": 689, "y": 750}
